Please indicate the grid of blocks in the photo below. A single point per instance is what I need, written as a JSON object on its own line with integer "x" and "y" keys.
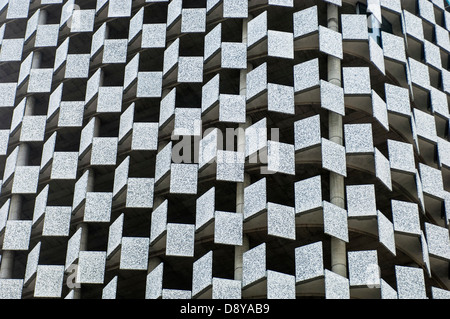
{"x": 129, "y": 130}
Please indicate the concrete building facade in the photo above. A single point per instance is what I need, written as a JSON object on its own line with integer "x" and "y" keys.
{"x": 233, "y": 149}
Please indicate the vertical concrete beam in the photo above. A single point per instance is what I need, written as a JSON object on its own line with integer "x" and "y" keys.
{"x": 239, "y": 250}
{"x": 15, "y": 207}
{"x": 153, "y": 262}
{"x": 84, "y": 226}
{"x": 336, "y": 134}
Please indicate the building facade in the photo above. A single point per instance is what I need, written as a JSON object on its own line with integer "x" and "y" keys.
{"x": 224, "y": 149}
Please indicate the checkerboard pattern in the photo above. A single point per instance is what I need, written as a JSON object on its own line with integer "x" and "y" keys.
{"x": 129, "y": 130}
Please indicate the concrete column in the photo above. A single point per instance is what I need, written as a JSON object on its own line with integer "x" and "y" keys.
{"x": 84, "y": 231}
{"x": 7, "y": 262}
{"x": 153, "y": 262}
{"x": 82, "y": 225}
{"x": 336, "y": 134}
{"x": 238, "y": 257}
{"x": 42, "y": 16}
{"x": 239, "y": 250}
{"x": 37, "y": 55}
{"x": 15, "y": 206}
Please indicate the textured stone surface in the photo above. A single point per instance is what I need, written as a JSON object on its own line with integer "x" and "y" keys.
{"x": 281, "y": 157}
{"x": 332, "y": 97}
{"x": 11, "y": 288}
{"x": 305, "y": 22}
{"x": 330, "y": 42}
{"x": 134, "y": 253}
{"x": 364, "y": 269}
{"x": 230, "y": 166}
{"x": 159, "y": 221}
{"x": 153, "y": 35}
{"x": 235, "y": 9}
{"x": 140, "y": 193}
{"x": 228, "y": 228}
{"x": 180, "y": 240}
{"x": 49, "y": 281}
{"x": 193, "y": 20}
{"x": 77, "y": 66}
{"x": 410, "y": 282}
{"x": 432, "y": 181}
{"x": 234, "y": 55}
{"x": 104, "y": 151}
{"x": 56, "y": 221}
{"x": 33, "y": 128}
{"x": 413, "y": 25}
{"x": 183, "y": 178}
{"x": 25, "y": 180}
{"x": 154, "y": 283}
{"x": 401, "y": 156}
{"x": 232, "y": 108}
{"x": 377, "y": 55}
{"x": 306, "y": 75}
{"x": 356, "y": 80}
{"x": 190, "y": 69}
{"x": 405, "y": 217}
{"x": 98, "y": 207}
{"x": 280, "y": 98}
{"x": 91, "y": 268}
{"x": 361, "y": 200}
{"x": 226, "y": 289}
{"x": 255, "y": 200}
{"x": 73, "y": 248}
{"x": 308, "y": 194}
{"x": 71, "y": 114}
{"x": 8, "y": 94}
{"x": 420, "y": 75}
{"x": 386, "y": 233}
{"x": 438, "y": 241}
{"x": 11, "y": 50}
{"x": 354, "y": 27}
{"x": 335, "y": 221}
{"x": 333, "y": 157}
{"x": 257, "y": 29}
{"x": 387, "y": 292}
{"x": 110, "y": 290}
{"x": 307, "y": 132}
{"x": 280, "y": 44}
{"x": 257, "y": 81}
{"x": 145, "y": 137}
{"x": 280, "y": 221}
{"x": 358, "y": 138}
{"x": 254, "y": 265}
{"x": 64, "y": 165}
{"x": 393, "y": 47}
{"x": 205, "y": 208}
{"x": 202, "y": 273}
{"x": 109, "y": 99}
{"x": 280, "y": 286}
{"x": 32, "y": 263}
{"x": 144, "y": 143}
{"x": 383, "y": 169}
{"x": 336, "y": 286}
{"x": 397, "y": 100}
{"x": 115, "y": 235}
{"x": 309, "y": 262}
{"x": 17, "y": 235}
